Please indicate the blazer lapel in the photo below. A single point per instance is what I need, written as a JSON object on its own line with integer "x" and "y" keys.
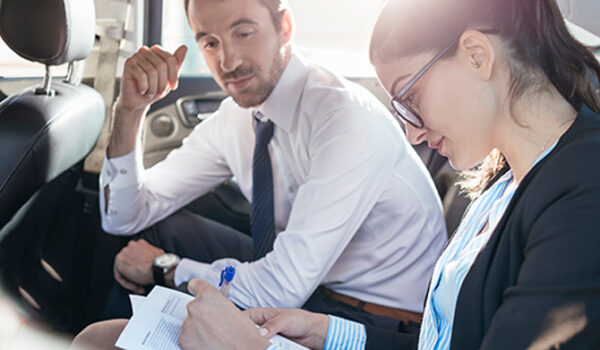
{"x": 481, "y": 293}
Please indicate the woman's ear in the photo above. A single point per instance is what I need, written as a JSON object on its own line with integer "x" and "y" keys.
{"x": 287, "y": 26}
{"x": 478, "y": 51}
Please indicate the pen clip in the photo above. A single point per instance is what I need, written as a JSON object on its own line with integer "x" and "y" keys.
{"x": 222, "y": 277}
{"x": 227, "y": 275}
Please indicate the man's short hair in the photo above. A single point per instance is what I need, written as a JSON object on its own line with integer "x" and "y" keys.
{"x": 275, "y": 8}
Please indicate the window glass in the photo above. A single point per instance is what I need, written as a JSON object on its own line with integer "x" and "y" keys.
{"x": 336, "y": 33}
{"x": 176, "y": 31}
{"x": 339, "y": 41}
{"x": 14, "y": 66}
{"x": 586, "y": 37}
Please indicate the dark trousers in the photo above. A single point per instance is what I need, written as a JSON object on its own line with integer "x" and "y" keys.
{"x": 189, "y": 236}
{"x": 192, "y": 236}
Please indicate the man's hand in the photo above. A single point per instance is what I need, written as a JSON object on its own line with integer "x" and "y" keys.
{"x": 303, "y": 327}
{"x": 133, "y": 265}
{"x": 213, "y": 322}
{"x": 148, "y": 75}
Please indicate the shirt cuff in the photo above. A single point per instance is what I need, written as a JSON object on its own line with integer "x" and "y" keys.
{"x": 188, "y": 269}
{"x": 121, "y": 171}
{"x": 345, "y": 334}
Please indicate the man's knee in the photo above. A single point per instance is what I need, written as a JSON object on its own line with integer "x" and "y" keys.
{"x": 162, "y": 233}
{"x": 100, "y": 335}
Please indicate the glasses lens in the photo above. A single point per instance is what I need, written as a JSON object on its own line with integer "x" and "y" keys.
{"x": 407, "y": 114}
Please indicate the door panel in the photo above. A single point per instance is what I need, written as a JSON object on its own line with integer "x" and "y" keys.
{"x": 166, "y": 127}
{"x": 171, "y": 120}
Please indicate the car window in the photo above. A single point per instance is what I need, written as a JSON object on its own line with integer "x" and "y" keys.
{"x": 586, "y": 37}
{"x": 13, "y": 65}
{"x": 176, "y": 31}
{"x": 339, "y": 41}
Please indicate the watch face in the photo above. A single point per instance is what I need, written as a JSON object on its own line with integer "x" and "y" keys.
{"x": 166, "y": 260}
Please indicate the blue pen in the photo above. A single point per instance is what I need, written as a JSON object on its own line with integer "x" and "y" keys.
{"x": 227, "y": 276}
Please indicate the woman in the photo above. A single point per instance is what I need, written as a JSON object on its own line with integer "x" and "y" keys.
{"x": 503, "y": 85}
{"x": 509, "y": 82}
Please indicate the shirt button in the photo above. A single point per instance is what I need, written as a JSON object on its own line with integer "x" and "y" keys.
{"x": 123, "y": 171}
{"x": 291, "y": 189}
{"x": 113, "y": 212}
{"x": 108, "y": 173}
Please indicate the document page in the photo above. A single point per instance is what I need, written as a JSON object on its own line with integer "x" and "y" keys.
{"x": 150, "y": 329}
{"x": 157, "y": 320}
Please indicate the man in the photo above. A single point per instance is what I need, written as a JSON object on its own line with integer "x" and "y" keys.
{"x": 339, "y": 198}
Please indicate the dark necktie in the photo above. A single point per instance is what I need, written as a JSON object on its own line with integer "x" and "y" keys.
{"x": 262, "y": 218}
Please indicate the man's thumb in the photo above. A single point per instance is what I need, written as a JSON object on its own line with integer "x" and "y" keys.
{"x": 180, "y": 54}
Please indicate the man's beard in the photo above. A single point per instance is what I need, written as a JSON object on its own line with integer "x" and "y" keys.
{"x": 250, "y": 98}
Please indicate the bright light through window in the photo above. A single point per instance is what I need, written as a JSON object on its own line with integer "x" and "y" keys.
{"x": 13, "y": 65}
{"x": 176, "y": 31}
{"x": 334, "y": 33}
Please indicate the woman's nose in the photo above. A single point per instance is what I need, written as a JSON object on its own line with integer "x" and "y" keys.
{"x": 415, "y": 135}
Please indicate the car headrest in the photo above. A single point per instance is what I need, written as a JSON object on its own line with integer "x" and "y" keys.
{"x": 51, "y": 32}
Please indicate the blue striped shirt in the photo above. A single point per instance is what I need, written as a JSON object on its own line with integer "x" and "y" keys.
{"x": 341, "y": 335}
{"x": 344, "y": 334}
{"x": 455, "y": 262}
{"x": 448, "y": 274}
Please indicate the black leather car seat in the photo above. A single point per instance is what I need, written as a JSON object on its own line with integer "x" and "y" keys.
{"x": 46, "y": 131}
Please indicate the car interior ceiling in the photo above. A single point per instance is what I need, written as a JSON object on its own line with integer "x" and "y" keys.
{"x": 54, "y": 258}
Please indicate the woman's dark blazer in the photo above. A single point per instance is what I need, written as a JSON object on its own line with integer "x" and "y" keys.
{"x": 536, "y": 284}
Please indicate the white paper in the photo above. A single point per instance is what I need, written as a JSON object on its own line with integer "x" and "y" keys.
{"x": 150, "y": 329}
{"x": 157, "y": 320}
{"x": 169, "y": 301}
{"x": 136, "y": 302}
{"x": 286, "y": 344}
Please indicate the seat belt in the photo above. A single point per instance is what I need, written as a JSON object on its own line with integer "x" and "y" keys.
{"x": 112, "y": 33}
{"x": 104, "y": 83}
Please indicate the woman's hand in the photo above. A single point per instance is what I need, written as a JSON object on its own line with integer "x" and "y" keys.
{"x": 303, "y": 327}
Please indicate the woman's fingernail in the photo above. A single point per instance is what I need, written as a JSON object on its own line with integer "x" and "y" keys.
{"x": 263, "y": 331}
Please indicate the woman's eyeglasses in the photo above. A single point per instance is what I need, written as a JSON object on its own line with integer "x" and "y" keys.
{"x": 404, "y": 111}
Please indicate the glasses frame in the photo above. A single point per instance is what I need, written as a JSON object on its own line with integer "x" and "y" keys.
{"x": 402, "y": 109}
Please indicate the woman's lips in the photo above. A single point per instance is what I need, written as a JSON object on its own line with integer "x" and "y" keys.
{"x": 438, "y": 146}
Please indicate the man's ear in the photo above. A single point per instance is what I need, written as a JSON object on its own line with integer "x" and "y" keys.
{"x": 287, "y": 26}
{"x": 478, "y": 51}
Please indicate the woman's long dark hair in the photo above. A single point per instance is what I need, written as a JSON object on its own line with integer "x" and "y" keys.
{"x": 541, "y": 50}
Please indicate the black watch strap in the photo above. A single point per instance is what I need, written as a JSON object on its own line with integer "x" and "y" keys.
{"x": 159, "y": 276}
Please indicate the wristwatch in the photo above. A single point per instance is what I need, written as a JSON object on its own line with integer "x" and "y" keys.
{"x": 161, "y": 265}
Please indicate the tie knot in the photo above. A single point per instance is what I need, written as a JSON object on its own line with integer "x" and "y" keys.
{"x": 263, "y": 129}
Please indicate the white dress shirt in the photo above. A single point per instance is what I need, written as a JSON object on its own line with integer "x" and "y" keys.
{"x": 355, "y": 209}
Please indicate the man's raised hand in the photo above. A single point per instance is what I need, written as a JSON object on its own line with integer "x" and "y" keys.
{"x": 148, "y": 75}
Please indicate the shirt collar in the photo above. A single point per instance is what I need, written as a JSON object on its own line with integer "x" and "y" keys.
{"x": 280, "y": 106}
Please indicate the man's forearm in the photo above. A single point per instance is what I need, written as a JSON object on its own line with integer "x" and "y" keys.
{"x": 126, "y": 125}
{"x": 123, "y": 137}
